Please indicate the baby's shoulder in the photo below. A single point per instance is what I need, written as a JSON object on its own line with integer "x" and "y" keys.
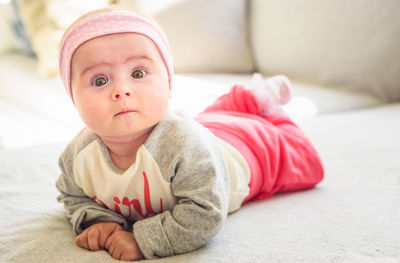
{"x": 179, "y": 130}
{"x": 179, "y": 142}
{"x": 179, "y": 136}
{"x": 81, "y": 140}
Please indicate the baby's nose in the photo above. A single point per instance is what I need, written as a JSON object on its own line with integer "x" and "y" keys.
{"x": 121, "y": 92}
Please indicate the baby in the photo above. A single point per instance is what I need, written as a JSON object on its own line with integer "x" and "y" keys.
{"x": 143, "y": 181}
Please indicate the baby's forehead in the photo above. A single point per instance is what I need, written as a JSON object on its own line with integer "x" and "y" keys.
{"x": 119, "y": 43}
{"x": 129, "y": 39}
{"x": 116, "y": 49}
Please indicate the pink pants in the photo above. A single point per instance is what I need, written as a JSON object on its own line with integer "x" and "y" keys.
{"x": 280, "y": 156}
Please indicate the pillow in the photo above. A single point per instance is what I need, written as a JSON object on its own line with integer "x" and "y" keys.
{"x": 45, "y": 22}
{"x": 5, "y": 29}
{"x": 347, "y": 44}
{"x": 13, "y": 34}
{"x": 205, "y": 35}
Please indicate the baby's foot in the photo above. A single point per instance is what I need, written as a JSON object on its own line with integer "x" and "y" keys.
{"x": 271, "y": 93}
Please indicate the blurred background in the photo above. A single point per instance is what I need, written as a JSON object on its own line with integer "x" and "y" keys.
{"x": 340, "y": 55}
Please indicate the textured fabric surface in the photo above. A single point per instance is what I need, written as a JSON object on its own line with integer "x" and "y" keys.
{"x": 353, "y": 44}
{"x": 352, "y": 216}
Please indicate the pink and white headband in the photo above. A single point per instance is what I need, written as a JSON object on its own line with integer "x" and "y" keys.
{"x": 105, "y": 23}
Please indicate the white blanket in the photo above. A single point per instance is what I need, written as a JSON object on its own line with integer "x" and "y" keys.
{"x": 352, "y": 216}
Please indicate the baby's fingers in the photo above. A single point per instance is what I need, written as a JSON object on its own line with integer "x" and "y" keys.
{"x": 130, "y": 256}
{"x": 81, "y": 240}
{"x": 117, "y": 253}
{"x": 93, "y": 239}
{"x": 103, "y": 238}
{"x": 110, "y": 246}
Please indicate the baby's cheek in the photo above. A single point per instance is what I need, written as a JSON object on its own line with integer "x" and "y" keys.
{"x": 91, "y": 115}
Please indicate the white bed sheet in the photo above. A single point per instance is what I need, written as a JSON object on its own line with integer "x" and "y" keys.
{"x": 352, "y": 216}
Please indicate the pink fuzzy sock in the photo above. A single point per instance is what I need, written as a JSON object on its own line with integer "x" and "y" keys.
{"x": 271, "y": 93}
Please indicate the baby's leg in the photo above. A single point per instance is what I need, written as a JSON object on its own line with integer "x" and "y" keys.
{"x": 280, "y": 156}
{"x": 264, "y": 97}
{"x": 271, "y": 93}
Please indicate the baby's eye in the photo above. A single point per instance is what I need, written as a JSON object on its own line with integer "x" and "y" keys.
{"x": 138, "y": 74}
{"x": 100, "y": 81}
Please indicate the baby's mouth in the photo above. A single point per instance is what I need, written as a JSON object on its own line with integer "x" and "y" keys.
{"x": 124, "y": 111}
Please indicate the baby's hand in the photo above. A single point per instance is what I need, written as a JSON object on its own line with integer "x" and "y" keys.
{"x": 94, "y": 237}
{"x": 122, "y": 246}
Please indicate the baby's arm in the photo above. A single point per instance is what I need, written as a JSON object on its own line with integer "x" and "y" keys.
{"x": 81, "y": 210}
{"x": 199, "y": 181}
{"x": 195, "y": 219}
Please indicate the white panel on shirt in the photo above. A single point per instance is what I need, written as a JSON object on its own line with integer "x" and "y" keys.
{"x": 141, "y": 191}
{"x": 137, "y": 193}
{"x": 239, "y": 173}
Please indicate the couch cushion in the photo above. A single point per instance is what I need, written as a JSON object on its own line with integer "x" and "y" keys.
{"x": 343, "y": 44}
{"x": 22, "y": 85}
{"x": 205, "y": 35}
{"x": 308, "y": 99}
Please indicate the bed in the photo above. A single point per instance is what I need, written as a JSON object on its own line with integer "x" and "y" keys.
{"x": 352, "y": 216}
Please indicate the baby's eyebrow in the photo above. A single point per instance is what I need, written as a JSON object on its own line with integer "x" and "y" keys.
{"x": 138, "y": 57}
{"x": 94, "y": 65}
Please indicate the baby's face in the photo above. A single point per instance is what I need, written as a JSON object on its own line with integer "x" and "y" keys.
{"x": 120, "y": 85}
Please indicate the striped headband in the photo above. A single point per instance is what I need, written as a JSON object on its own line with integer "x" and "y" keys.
{"x": 105, "y": 23}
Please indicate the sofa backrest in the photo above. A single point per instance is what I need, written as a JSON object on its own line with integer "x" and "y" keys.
{"x": 205, "y": 35}
{"x": 346, "y": 44}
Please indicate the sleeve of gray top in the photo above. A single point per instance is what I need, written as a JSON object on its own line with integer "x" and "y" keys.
{"x": 81, "y": 210}
{"x": 199, "y": 181}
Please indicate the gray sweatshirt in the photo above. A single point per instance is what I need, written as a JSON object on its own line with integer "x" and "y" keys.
{"x": 174, "y": 198}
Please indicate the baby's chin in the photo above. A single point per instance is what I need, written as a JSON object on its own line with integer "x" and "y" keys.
{"x": 124, "y": 136}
